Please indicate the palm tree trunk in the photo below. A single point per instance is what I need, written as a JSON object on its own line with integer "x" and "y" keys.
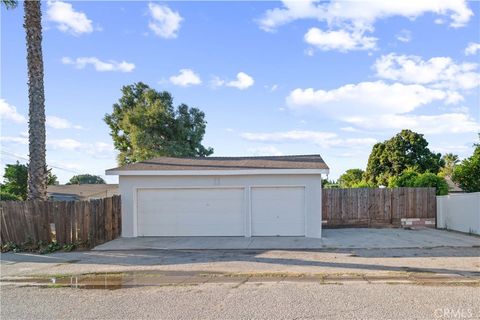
{"x": 37, "y": 168}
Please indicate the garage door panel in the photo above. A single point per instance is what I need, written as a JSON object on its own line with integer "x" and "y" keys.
{"x": 278, "y": 211}
{"x": 191, "y": 212}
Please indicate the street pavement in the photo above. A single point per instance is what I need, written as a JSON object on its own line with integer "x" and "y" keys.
{"x": 268, "y": 300}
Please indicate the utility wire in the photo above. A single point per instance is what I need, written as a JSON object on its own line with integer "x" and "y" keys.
{"x": 16, "y": 156}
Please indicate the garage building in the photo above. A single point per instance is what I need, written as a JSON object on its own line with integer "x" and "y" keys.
{"x": 222, "y": 196}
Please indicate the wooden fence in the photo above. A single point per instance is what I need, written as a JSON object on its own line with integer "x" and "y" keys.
{"x": 90, "y": 222}
{"x": 366, "y": 207}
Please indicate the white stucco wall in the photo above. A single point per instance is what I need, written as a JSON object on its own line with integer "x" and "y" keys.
{"x": 311, "y": 182}
{"x": 459, "y": 212}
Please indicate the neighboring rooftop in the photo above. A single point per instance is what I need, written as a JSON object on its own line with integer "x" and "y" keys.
{"x": 81, "y": 190}
{"x": 452, "y": 186}
{"x": 313, "y": 161}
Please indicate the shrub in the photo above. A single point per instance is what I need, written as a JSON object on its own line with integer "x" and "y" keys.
{"x": 5, "y": 196}
{"x": 413, "y": 179}
{"x": 363, "y": 184}
{"x": 405, "y": 179}
{"x": 432, "y": 180}
{"x": 467, "y": 173}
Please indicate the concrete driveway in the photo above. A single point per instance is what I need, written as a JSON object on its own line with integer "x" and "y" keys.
{"x": 361, "y": 238}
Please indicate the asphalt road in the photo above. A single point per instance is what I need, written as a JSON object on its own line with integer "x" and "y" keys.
{"x": 269, "y": 300}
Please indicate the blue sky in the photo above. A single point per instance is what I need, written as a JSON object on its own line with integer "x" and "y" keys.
{"x": 272, "y": 77}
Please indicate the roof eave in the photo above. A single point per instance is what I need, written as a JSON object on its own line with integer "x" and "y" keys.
{"x": 214, "y": 172}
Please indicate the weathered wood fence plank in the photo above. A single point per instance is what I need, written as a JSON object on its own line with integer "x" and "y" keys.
{"x": 364, "y": 207}
{"x": 88, "y": 223}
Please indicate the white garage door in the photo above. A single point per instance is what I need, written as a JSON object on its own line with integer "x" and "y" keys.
{"x": 278, "y": 211}
{"x": 191, "y": 212}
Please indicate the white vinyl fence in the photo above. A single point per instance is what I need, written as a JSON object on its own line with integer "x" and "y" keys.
{"x": 459, "y": 212}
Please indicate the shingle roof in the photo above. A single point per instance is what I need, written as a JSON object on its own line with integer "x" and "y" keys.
{"x": 313, "y": 161}
{"x": 83, "y": 190}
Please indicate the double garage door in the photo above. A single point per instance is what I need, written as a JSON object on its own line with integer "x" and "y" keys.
{"x": 255, "y": 211}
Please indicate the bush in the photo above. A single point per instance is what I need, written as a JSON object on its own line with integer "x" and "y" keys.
{"x": 363, "y": 184}
{"x": 432, "y": 180}
{"x": 413, "y": 179}
{"x": 5, "y": 196}
{"x": 405, "y": 179}
{"x": 467, "y": 173}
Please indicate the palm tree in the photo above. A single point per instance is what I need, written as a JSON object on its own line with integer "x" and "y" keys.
{"x": 10, "y": 4}
{"x": 451, "y": 160}
{"x": 37, "y": 168}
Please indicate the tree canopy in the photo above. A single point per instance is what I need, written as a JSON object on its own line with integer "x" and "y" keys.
{"x": 350, "y": 177}
{"x": 9, "y": 4}
{"x": 15, "y": 180}
{"x": 407, "y": 149}
{"x": 467, "y": 173}
{"x": 411, "y": 178}
{"x": 144, "y": 124}
{"x": 86, "y": 179}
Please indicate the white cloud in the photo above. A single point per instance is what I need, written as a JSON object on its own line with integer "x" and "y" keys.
{"x": 67, "y": 19}
{"x": 242, "y": 82}
{"x": 450, "y": 148}
{"x": 103, "y": 147}
{"x": 363, "y": 14}
{"x": 216, "y": 82}
{"x": 271, "y": 88}
{"x": 9, "y": 112}
{"x": 404, "y": 36}
{"x": 367, "y": 98}
{"x": 20, "y": 140}
{"x": 341, "y": 40}
{"x": 66, "y": 144}
{"x": 348, "y": 21}
{"x": 99, "y": 65}
{"x": 185, "y": 78}
{"x": 349, "y": 129}
{"x": 310, "y": 52}
{"x": 472, "y": 48}
{"x": 265, "y": 151}
{"x": 165, "y": 22}
{"x": 439, "y": 72}
{"x": 324, "y": 139}
{"x": 97, "y": 149}
{"x": 428, "y": 124}
{"x": 61, "y": 123}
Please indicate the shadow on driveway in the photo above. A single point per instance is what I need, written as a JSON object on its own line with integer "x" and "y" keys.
{"x": 276, "y": 257}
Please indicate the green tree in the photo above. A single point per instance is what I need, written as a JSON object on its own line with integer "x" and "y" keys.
{"x": 10, "y": 4}
{"x": 144, "y": 124}
{"x": 350, "y": 177}
{"x": 450, "y": 160}
{"x": 413, "y": 179}
{"x": 467, "y": 173}
{"x": 86, "y": 179}
{"x": 407, "y": 149}
{"x": 405, "y": 179}
{"x": 15, "y": 180}
{"x": 363, "y": 184}
{"x": 432, "y": 180}
{"x": 329, "y": 184}
{"x": 5, "y": 196}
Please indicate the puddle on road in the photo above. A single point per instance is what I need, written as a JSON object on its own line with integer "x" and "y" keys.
{"x": 113, "y": 281}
